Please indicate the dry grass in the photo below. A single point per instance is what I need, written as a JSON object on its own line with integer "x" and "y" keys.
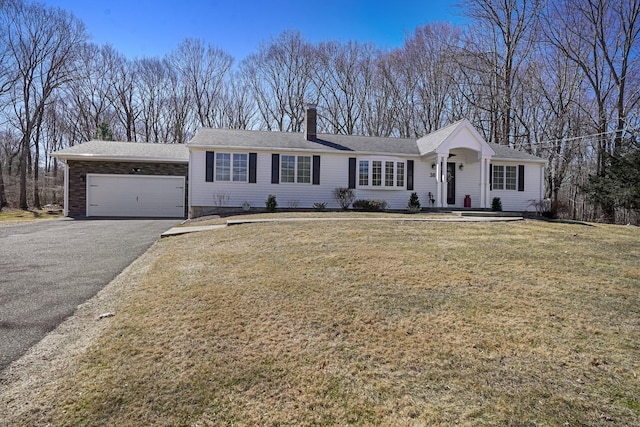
{"x": 350, "y": 214}
{"x": 367, "y": 323}
{"x": 7, "y": 215}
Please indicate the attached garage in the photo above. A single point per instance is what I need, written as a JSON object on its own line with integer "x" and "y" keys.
{"x": 125, "y": 179}
{"x": 135, "y": 196}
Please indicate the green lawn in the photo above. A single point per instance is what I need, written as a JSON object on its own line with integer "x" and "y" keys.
{"x": 367, "y": 323}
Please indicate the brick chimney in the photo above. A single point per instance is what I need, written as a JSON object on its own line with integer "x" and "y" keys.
{"x": 310, "y": 119}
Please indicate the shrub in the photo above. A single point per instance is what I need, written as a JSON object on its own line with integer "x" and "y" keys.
{"x": 344, "y": 197}
{"x": 414, "y": 203}
{"x": 320, "y": 207}
{"x": 221, "y": 199}
{"x": 496, "y": 204}
{"x": 271, "y": 203}
{"x": 370, "y": 205}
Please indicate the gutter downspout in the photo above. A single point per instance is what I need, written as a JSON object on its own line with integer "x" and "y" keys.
{"x": 65, "y": 203}
{"x": 189, "y": 172}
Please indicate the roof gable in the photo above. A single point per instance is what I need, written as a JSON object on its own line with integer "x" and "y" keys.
{"x": 460, "y": 134}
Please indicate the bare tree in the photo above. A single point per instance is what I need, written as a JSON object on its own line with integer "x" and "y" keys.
{"x": 280, "y": 78}
{"x": 239, "y": 110}
{"x": 601, "y": 38}
{"x": 120, "y": 73}
{"x": 87, "y": 94}
{"x": 151, "y": 82}
{"x": 400, "y": 81}
{"x": 377, "y": 116}
{"x": 204, "y": 69}
{"x": 503, "y": 39}
{"x": 339, "y": 74}
{"x": 557, "y": 99}
{"x": 42, "y": 43}
{"x": 431, "y": 53}
{"x": 180, "y": 124}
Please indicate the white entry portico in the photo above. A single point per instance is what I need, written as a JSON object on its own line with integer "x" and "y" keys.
{"x": 458, "y": 147}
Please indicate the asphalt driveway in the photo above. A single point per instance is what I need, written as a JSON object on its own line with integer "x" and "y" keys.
{"x": 48, "y": 268}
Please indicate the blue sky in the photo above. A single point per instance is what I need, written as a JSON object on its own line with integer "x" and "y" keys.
{"x": 140, "y": 28}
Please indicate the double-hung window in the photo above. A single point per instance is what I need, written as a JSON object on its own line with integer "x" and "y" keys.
{"x": 389, "y": 168}
{"x": 376, "y": 167}
{"x": 498, "y": 177}
{"x": 511, "y": 177}
{"x": 400, "y": 174}
{"x": 288, "y": 169}
{"x": 304, "y": 169}
{"x": 231, "y": 167}
{"x": 387, "y": 174}
{"x": 504, "y": 177}
{"x": 363, "y": 174}
{"x": 295, "y": 169}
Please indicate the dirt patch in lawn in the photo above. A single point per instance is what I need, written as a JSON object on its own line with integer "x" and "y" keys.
{"x": 389, "y": 323}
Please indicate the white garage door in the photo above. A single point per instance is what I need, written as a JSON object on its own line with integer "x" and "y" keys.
{"x": 135, "y": 195}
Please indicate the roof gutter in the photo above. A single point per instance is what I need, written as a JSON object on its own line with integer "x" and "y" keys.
{"x": 507, "y": 159}
{"x": 100, "y": 157}
{"x": 304, "y": 150}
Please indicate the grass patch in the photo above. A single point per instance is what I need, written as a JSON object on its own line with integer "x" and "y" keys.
{"x": 7, "y": 215}
{"x": 390, "y": 323}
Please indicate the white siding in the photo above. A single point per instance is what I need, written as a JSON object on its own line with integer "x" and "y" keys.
{"x": 514, "y": 200}
{"x": 467, "y": 183}
{"x": 334, "y": 173}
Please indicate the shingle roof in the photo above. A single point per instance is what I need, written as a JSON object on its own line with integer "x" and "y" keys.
{"x": 295, "y": 141}
{"x": 504, "y": 152}
{"x": 429, "y": 143}
{"x": 263, "y": 140}
{"x": 116, "y": 150}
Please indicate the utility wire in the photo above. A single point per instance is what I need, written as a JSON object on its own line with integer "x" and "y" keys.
{"x": 550, "y": 142}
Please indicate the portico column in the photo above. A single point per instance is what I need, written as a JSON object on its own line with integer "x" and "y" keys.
{"x": 486, "y": 182}
{"x": 438, "y": 185}
{"x": 442, "y": 180}
{"x": 482, "y": 179}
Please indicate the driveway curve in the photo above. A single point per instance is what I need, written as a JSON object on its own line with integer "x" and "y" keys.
{"x": 48, "y": 268}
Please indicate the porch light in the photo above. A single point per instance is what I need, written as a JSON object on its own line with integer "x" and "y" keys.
{"x": 433, "y": 165}
{"x": 461, "y": 167}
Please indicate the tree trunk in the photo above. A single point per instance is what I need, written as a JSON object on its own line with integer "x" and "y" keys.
{"x": 36, "y": 186}
{"x": 36, "y": 163}
{"x": 24, "y": 154}
{"x": 3, "y": 197}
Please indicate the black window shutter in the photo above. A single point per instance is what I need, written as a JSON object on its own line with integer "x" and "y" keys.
{"x": 352, "y": 172}
{"x": 410, "y": 175}
{"x": 275, "y": 168}
{"x": 316, "y": 170}
{"x": 520, "y": 177}
{"x": 253, "y": 160}
{"x": 490, "y": 177}
{"x": 209, "y": 168}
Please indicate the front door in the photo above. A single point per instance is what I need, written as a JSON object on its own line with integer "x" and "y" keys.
{"x": 451, "y": 183}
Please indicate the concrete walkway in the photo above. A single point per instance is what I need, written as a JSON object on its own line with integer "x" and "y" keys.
{"x": 175, "y": 231}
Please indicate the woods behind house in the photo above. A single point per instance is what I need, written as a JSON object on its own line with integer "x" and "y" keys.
{"x": 558, "y": 79}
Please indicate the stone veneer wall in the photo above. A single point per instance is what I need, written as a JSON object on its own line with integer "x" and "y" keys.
{"x": 78, "y": 171}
